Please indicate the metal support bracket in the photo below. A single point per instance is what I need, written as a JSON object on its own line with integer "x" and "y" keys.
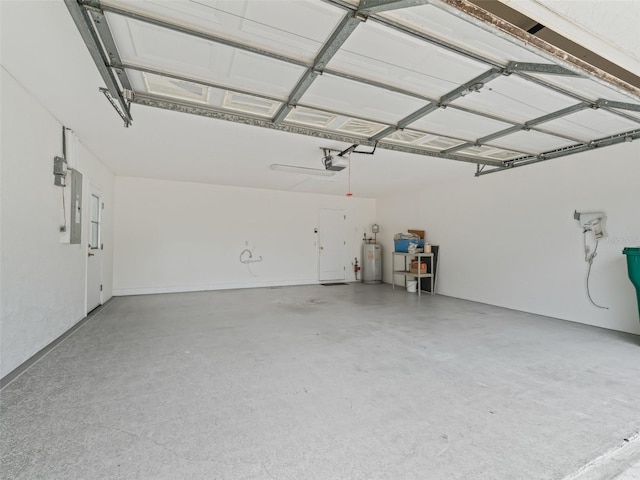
{"x": 83, "y": 23}
{"x": 527, "y": 126}
{"x": 621, "y": 105}
{"x": 115, "y": 106}
{"x": 570, "y": 150}
{"x": 109, "y": 44}
{"x": 376, "y": 6}
{"x": 546, "y": 68}
{"x": 473, "y": 85}
{"x": 346, "y": 27}
{"x": 161, "y": 102}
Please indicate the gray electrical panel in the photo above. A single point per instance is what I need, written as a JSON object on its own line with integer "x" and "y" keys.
{"x": 59, "y": 171}
{"x": 75, "y": 230}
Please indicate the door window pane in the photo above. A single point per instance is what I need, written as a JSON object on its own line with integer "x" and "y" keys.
{"x": 95, "y": 208}
{"x": 95, "y": 235}
{"x": 94, "y": 239}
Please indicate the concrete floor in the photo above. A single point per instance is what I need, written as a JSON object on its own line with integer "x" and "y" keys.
{"x": 342, "y": 382}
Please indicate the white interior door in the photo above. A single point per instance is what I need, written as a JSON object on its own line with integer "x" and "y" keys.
{"x": 94, "y": 251}
{"x": 332, "y": 235}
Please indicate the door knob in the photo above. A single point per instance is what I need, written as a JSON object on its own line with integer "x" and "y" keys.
{"x": 321, "y": 248}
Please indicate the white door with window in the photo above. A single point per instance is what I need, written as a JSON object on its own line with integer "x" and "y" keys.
{"x": 94, "y": 251}
{"x": 332, "y": 244}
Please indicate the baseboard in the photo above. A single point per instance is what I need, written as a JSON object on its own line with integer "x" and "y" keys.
{"x": 24, "y": 366}
{"x": 120, "y": 292}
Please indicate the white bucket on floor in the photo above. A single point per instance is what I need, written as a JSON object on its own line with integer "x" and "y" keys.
{"x": 412, "y": 286}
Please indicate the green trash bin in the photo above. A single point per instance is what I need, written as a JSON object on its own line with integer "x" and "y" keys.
{"x": 633, "y": 265}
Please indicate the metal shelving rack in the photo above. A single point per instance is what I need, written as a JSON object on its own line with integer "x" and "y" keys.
{"x": 406, "y": 273}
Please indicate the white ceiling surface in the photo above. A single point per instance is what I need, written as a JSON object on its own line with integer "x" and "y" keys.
{"x": 610, "y": 32}
{"x": 43, "y": 50}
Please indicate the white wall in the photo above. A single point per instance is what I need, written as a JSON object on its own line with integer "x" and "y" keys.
{"x": 42, "y": 281}
{"x": 510, "y": 239}
{"x": 178, "y": 236}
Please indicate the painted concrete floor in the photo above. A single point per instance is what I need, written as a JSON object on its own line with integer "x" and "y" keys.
{"x": 342, "y": 382}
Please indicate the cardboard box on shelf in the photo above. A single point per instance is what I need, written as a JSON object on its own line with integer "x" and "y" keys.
{"x": 414, "y": 267}
{"x": 420, "y": 233}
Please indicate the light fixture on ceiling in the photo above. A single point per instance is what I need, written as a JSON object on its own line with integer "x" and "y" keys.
{"x": 278, "y": 167}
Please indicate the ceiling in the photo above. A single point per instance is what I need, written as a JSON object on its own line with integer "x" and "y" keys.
{"x": 308, "y": 67}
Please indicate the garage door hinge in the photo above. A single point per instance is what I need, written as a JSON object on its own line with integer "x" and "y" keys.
{"x": 100, "y": 287}
{"x": 102, "y": 246}
{"x": 102, "y": 205}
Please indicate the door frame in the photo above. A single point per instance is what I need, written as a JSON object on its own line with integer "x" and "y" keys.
{"x": 344, "y": 251}
{"x": 93, "y": 190}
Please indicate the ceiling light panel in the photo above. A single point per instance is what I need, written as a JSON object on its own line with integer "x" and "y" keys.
{"x": 451, "y": 122}
{"x": 297, "y": 30}
{"x": 147, "y": 45}
{"x": 591, "y": 124}
{"x": 434, "y": 21}
{"x": 357, "y": 99}
{"x": 382, "y": 54}
{"x": 516, "y": 99}
{"x": 279, "y": 167}
{"x": 531, "y": 142}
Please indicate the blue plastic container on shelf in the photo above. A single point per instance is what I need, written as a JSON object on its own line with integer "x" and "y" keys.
{"x": 403, "y": 245}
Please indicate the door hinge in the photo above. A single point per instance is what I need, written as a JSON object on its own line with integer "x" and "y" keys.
{"x": 345, "y": 217}
{"x": 102, "y": 246}
{"x": 344, "y": 243}
{"x": 100, "y": 287}
{"x": 102, "y": 205}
